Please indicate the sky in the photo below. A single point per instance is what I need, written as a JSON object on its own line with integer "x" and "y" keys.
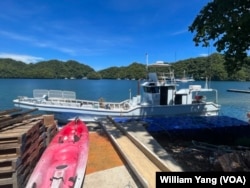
{"x": 99, "y": 33}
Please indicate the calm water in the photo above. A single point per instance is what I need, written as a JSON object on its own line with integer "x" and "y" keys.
{"x": 233, "y": 104}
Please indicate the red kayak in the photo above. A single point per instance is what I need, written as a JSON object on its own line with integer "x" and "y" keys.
{"x": 64, "y": 161}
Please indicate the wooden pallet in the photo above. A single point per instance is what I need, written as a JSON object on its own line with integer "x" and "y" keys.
{"x": 13, "y": 142}
{"x": 19, "y": 145}
{"x": 50, "y": 126}
{"x": 50, "y": 133}
{"x": 15, "y": 172}
{"x": 23, "y": 138}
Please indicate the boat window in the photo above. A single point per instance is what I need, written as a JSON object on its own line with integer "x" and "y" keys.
{"x": 151, "y": 84}
{"x": 151, "y": 89}
{"x": 178, "y": 99}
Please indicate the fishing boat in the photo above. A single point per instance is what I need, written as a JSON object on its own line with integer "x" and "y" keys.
{"x": 64, "y": 161}
{"x": 158, "y": 96}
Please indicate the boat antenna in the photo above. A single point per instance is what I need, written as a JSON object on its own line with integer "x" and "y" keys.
{"x": 146, "y": 65}
{"x": 208, "y": 77}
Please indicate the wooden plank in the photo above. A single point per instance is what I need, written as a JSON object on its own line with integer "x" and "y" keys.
{"x": 34, "y": 150}
{"x": 51, "y": 132}
{"x": 6, "y": 168}
{"x": 30, "y": 164}
{"x": 49, "y": 120}
{"x": 16, "y": 149}
{"x": 5, "y": 118}
{"x": 4, "y": 112}
{"x": 19, "y": 135}
{"x": 23, "y": 176}
{"x": 11, "y": 181}
{"x": 24, "y": 121}
{"x": 16, "y": 120}
{"x": 51, "y": 128}
{"x": 9, "y": 164}
{"x": 19, "y": 130}
{"x": 8, "y": 179}
{"x": 12, "y": 152}
{"x": 13, "y": 126}
{"x": 19, "y": 177}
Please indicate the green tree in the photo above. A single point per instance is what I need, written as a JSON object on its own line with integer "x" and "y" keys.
{"x": 217, "y": 69}
{"x": 226, "y": 24}
{"x": 94, "y": 75}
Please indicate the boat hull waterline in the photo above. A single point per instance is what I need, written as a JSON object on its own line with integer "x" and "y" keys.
{"x": 62, "y": 113}
{"x": 64, "y": 161}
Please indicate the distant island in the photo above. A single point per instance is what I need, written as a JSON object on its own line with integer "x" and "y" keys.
{"x": 200, "y": 68}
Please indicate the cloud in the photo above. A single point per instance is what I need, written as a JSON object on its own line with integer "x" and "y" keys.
{"x": 23, "y": 58}
{"x": 179, "y": 32}
{"x": 203, "y": 55}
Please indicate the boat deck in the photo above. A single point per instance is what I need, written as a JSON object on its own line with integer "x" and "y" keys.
{"x": 137, "y": 157}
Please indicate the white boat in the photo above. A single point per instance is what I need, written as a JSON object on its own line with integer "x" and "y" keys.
{"x": 185, "y": 79}
{"x": 158, "y": 98}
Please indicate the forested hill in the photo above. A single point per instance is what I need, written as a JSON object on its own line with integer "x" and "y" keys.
{"x": 45, "y": 69}
{"x": 200, "y": 68}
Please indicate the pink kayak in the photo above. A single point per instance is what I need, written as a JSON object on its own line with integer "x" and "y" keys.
{"x": 64, "y": 161}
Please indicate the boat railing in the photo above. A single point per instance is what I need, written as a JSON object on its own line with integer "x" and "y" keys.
{"x": 30, "y": 100}
{"x": 41, "y": 93}
{"x": 123, "y": 105}
{"x": 67, "y": 99}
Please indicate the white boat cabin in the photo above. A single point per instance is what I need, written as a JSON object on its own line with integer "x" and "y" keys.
{"x": 163, "y": 93}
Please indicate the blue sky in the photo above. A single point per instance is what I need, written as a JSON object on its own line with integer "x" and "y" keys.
{"x": 99, "y": 33}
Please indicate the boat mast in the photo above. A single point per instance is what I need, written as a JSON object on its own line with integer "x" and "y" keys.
{"x": 206, "y": 83}
{"x": 147, "y": 62}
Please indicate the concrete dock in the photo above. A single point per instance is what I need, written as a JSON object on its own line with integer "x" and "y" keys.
{"x": 141, "y": 155}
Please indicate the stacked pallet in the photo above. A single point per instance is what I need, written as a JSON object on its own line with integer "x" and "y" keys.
{"x": 23, "y": 138}
{"x": 50, "y": 127}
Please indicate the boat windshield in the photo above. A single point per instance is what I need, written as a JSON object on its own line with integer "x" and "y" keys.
{"x": 151, "y": 89}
